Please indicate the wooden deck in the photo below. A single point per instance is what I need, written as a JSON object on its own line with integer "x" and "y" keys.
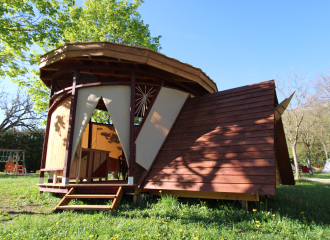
{"x": 110, "y": 186}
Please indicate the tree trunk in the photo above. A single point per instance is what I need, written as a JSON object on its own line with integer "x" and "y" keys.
{"x": 295, "y": 161}
{"x": 325, "y": 150}
{"x": 309, "y": 162}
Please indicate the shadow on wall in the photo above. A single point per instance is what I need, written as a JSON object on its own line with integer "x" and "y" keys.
{"x": 62, "y": 116}
{"x": 222, "y": 142}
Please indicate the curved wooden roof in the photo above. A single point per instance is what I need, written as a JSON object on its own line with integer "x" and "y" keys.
{"x": 100, "y": 51}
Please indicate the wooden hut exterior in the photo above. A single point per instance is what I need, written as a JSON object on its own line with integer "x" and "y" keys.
{"x": 192, "y": 141}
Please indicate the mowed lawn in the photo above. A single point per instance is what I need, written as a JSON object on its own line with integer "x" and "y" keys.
{"x": 296, "y": 212}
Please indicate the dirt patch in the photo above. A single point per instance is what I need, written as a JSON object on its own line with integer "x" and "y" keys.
{"x": 25, "y": 209}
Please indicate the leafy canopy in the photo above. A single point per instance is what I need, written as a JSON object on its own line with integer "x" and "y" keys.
{"x": 115, "y": 21}
{"x": 110, "y": 20}
{"x": 27, "y": 22}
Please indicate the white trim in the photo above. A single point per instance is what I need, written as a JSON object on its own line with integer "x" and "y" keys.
{"x": 41, "y": 180}
{"x": 130, "y": 180}
{"x": 65, "y": 181}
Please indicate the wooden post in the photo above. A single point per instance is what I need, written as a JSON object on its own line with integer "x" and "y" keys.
{"x": 24, "y": 168}
{"x": 132, "y": 132}
{"x": 90, "y": 166}
{"x": 90, "y": 133}
{"x": 68, "y": 152}
{"x": 245, "y": 205}
{"x": 79, "y": 166}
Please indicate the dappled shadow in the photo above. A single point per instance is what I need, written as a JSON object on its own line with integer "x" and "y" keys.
{"x": 112, "y": 136}
{"x": 221, "y": 142}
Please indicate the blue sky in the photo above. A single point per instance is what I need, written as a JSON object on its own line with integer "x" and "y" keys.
{"x": 243, "y": 42}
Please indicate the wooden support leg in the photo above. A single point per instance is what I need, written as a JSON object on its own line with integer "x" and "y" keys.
{"x": 245, "y": 205}
{"x": 137, "y": 199}
{"x": 151, "y": 195}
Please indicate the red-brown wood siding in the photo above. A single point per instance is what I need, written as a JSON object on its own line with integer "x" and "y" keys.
{"x": 221, "y": 142}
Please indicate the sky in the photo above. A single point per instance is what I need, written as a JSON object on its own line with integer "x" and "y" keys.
{"x": 243, "y": 42}
{"x": 237, "y": 42}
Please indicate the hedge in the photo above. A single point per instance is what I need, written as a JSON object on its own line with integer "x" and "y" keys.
{"x": 30, "y": 141}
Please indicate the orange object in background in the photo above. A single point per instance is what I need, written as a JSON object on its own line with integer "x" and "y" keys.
{"x": 317, "y": 168}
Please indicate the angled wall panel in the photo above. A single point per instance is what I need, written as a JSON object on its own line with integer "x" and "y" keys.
{"x": 158, "y": 124}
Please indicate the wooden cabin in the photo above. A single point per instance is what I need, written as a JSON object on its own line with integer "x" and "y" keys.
{"x": 170, "y": 129}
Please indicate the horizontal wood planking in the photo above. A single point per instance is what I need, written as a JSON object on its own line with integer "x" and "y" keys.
{"x": 218, "y": 150}
{"x": 231, "y": 188}
{"x": 229, "y": 128}
{"x": 218, "y": 163}
{"x": 208, "y": 195}
{"x": 223, "y": 99}
{"x": 227, "y": 94}
{"x": 226, "y": 107}
{"x": 231, "y": 119}
{"x": 55, "y": 190}
{"x": 91, "y": 196}
{"x": 203, "y": 117}
{"x": 210, "y": 179}
{"x": 228, "y": 102}
{"x": 249, "y": 171}
{"x": 224, "y": 156}
{"x": 210, "y": 143}
{"x": 84, "y": 207}
{"x": 222, "y": 137}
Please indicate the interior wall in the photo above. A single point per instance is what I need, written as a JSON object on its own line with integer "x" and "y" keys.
{"x": 104, "y": 137}
{"x": 58, "y": 133}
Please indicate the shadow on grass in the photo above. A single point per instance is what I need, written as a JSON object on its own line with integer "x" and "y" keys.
{"x": 306, "y": 202}
{"x": 33, "y": 175}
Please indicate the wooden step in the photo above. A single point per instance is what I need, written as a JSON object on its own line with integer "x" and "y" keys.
{"x": 84, "y": 207}
{"x": 63, "y": 204}
{"x": 91, "y": 196}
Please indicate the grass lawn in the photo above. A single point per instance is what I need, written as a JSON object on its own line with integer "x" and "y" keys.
{"x": 296, "y": 212}
{"x": 317, "y": 174}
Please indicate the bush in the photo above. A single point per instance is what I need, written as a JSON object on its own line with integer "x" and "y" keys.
{"x": 30, "y": 141}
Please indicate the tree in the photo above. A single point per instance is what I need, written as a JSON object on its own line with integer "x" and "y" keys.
{"x": 323, "y": 90}
{"x": 17, "y": 112}
{"x": 307, "y": 135}
{"x": 99, "y": 20}
{"x": 321, "y": 111}
{"x": 295, "y": 113}
{"x": 110, "y": 20}
{"x": 24, "y": 23}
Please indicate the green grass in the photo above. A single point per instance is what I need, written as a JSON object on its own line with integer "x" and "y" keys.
{"x": 317, "y": 174}
{"x": 296, "y": 212}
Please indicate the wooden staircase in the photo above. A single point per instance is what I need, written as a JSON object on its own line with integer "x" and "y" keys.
{"x": 63, "y": 204}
